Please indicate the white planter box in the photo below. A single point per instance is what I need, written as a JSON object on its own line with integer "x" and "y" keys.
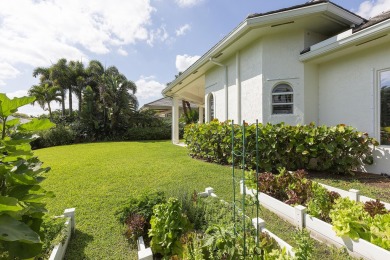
{"x": 59, "y": 250}
{"x": 320, "y": 229}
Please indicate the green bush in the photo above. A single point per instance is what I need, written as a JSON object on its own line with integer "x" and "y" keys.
{"x": 338, "y": 149}
{"x": 148, "y": 133}
{"x": 59, "y": 135}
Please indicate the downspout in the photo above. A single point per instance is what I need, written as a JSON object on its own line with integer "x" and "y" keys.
{"x": 238, "y": 84}
{"x": 225, "y": 86}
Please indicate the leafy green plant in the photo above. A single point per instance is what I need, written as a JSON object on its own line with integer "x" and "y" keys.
{"x": 193, "y": 246}
{"x": 336, "y": 149}
{"x": 305, "y": 246}
{"x": 321, "y": 202}
{"x": 168, "y": 224}
{"x": 375, "y": 207}
{"x": 350, "y": 219}
{"x": 380, "y": 231}
{"x": 221, "y": 242}
{"x": 21, "y": 196}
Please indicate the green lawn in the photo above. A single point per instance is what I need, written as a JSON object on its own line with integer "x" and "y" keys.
{"x": 98, "y": 178}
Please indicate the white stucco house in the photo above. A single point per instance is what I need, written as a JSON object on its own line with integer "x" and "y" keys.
{"x": 315, "y": 62}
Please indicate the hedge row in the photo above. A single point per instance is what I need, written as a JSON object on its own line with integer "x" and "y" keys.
{"x": 64, "y": 135}
{"x": 337, "y": 149}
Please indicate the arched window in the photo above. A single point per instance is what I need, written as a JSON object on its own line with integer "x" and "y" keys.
{"x": 282, "y": 99}
{"x": 211, "y": 107}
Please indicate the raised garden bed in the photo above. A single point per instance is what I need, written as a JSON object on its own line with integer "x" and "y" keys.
{"x": 319, "y": 229}
{"x": 145, "y": 253}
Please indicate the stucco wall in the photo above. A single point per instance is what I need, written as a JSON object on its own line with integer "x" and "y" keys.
{"x": 348, "y": 94}
{"x": 281, "y": 65}
{"x": 214, "y": 82}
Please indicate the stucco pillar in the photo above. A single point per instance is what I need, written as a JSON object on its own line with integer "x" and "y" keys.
{"x": 175, "y": 120}
{"x": 226, "y": 93}
{"x": 200, "y": 121}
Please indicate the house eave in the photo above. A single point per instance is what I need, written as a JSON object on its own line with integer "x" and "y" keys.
{"x": 327, "y": 8}
{"x": 346, "y": 39}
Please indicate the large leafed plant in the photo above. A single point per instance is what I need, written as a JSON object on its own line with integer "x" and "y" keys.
{"x": 21, "y": 196}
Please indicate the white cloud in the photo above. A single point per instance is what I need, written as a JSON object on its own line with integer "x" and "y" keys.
{"x": 185, "y": 61}
{"x": 183, "y": 30}
{"x": 159, "y": 34}
{"x": 35, "y": 32}
{"x": 369, "y": 9}
{"x": 148, "y": 89}
{"x": 188, "y": 3}
{"x": 122, "y": 52}
{"x": 7, "y": 71}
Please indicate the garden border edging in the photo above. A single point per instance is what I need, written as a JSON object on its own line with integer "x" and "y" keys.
{"x": 322, "y": 231}
{"x": 59, "y": 250}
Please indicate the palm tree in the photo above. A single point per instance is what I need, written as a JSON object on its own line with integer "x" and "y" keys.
{"x": 118, "y": 95}
{"x": 45, "y": 94}
{"x": 78, "y": 80}
{"x": 60, "y": 75}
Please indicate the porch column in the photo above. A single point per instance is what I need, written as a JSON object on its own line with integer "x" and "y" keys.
{"x": 175, "y": 120}
{"x": 200, "y": 121}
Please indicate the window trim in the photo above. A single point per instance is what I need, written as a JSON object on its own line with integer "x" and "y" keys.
{"x": 209, "y": 96}
{"x": 378, "y": 104}
{"x": 282, "y": 93}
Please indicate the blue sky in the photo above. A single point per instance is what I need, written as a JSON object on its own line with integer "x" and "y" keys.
{"x": 148, "y": 40}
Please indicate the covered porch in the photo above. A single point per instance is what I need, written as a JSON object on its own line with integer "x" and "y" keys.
{"x": 192, "y": 90}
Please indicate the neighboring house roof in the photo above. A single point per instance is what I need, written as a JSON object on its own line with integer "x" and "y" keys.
{"x": 257, "y": 21}
{"x": 163, "y": 103}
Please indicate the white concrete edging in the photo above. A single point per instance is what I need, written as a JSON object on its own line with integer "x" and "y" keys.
{"x": 320, "y": 229}
{"x": 144, "y": 253}
{"x": 59, "y": 250}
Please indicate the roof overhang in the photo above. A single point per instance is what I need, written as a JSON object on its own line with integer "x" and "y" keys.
{"x": 348, "y": 42}
{"x": 194, "y": 75}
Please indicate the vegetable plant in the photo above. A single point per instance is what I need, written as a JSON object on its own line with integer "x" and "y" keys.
{"x": 168, "y": 224}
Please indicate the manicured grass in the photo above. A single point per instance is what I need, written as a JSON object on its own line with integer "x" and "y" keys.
{"x": 98, "y": 178}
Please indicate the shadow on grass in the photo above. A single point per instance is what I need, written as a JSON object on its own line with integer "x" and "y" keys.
{"x": 77, "y": 244}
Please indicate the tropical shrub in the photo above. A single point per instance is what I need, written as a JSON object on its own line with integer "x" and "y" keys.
{"x": 59, "y": 135}
{"x": 336, "y": 149}
{"x": 21, "y": 196}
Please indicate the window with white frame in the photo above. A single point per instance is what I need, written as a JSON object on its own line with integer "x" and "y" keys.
{"x": 282, "y": 99}
{"x": 211, "y": 107}
{"x": 384, "y": 87}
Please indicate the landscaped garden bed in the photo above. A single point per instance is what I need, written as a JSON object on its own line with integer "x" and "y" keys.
{"x": 355, "y": 224}
{"x": 192, "y": 227}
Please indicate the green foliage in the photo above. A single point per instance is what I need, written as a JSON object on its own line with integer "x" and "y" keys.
{"x": 59, "y": 135}
{"x": 168, "y": 224}
{"x": 54, "y": 233}
{"x": 337, "y": 149}
{"x": 321, "y": 202}
{"x": 193, "y": 246}
{"x": 221, "y": 242}
{"x": 137, "y": 212}
{"x": 21, "y": 196}
{"x": 305, "y": 246}
{"x": 350, "y": 219}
